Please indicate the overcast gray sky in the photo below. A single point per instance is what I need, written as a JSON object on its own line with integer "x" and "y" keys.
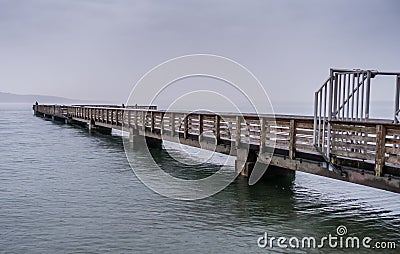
{"x": 99, "y": 49}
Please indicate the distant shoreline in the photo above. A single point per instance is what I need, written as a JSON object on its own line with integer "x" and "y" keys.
{"x": 32, "y": 98}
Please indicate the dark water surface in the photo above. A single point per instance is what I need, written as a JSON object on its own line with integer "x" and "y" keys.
{"x": 64, "y": 190}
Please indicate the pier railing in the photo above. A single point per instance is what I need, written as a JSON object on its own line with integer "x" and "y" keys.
{"x": 374, "y": 142}
{"x": 344, "y": 100}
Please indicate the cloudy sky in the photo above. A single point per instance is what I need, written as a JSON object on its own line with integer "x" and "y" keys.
{"x": 98, "y": 49}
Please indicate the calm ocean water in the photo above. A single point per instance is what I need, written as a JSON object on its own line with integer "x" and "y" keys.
{"x": 64, "y": 190}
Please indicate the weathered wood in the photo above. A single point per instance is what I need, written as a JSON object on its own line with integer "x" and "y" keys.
{"x": 306, "y": 147}
{"x": 172, "y": 122}
{"x": 200, "y": 134}
{"x": 292, "y": 140}
{"x": 394, "y": 160}
{"x": 129, "y": 118}
{"x": 352, "y": 137}
{"x": 135, "y": 120}
{"x": 282, "y": 143}
{"x": 162, "y": 127}
{"x": 395, "y": 151}
{"x": 185, "y": 127}
{"x": 301, "y": 139}
{"x": 238, "y": 131}
{"x": 392, "y": 141}
{"x": 304, "y": 131}
{"x": 354, "y": 128}
{"x": 263, "y": 135}
{"x": 393, "y": 131}
{"x": 152, "y": 121}
{"x": 144, "y": 120}
{"x": 217, "y": 128}
{"x": 108, "y": 116}
{"x": 305, "y": 125}
{"x": 354, "y": 155}
{"x": 349, "y": 146}
{"x": 380, "y": 149}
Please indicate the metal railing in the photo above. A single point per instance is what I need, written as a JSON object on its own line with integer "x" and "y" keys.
{"x": 345, "y": 96}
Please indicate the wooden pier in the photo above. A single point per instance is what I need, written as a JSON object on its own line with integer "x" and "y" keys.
{"x": 363, "y": 152}
{"x": 340, "y": 141}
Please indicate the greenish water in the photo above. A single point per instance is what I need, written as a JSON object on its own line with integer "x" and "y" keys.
{"x": 65, "y": 190}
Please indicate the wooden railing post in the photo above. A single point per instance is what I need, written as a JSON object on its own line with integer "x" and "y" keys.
{"x": 292, "y": 140}
{"x": 185, "y": 126}
{"x": 129, "y": 118}
{"x": 262, "y": 135}
{"x": 124, "y": 116}
{"x": 172, "y": 123}
{"x": 144, "y": 120}
{"x": 112, "y": 116}
{"x": 135, "y": 120}
{"x": 217, "y": 128}
{"x": 200, "y": 127}
{"x": 238, "y": 131}
{"x": 117, "y": 117}
{"x": 162, "y": 123}
{"x": 380, "y": 149}
{"x": 152, "y": 119}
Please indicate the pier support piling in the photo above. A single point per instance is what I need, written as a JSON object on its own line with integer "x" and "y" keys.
{"x": 245, "y": 161}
